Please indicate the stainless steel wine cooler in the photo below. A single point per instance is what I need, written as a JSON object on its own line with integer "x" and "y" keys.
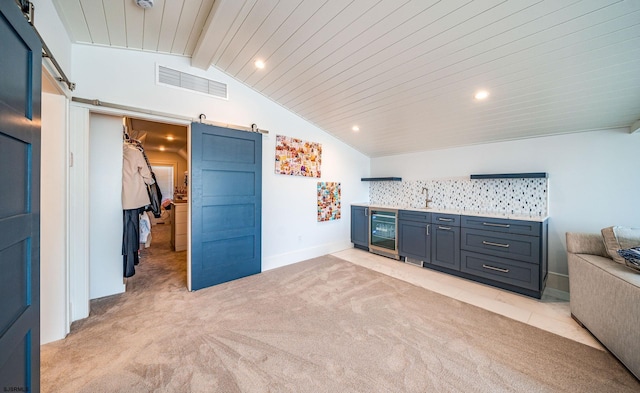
{"x": 383, "y": 238}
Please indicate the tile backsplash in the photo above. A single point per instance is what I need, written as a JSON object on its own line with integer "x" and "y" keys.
{"x": 510, "y": 196}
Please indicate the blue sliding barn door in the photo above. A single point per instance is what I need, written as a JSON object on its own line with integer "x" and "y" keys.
{"x": 226, "y": 204}
{"x": 20, "y": 88}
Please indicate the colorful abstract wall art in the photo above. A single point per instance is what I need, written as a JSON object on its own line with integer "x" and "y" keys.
{"x": 297, "y": 158}
{"x": 328, "y": 201}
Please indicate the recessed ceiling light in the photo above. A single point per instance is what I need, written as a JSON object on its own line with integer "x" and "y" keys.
{"x": 259, "y": 64}
{"x": 481, "y": 95}
{"x": 161, "y": 148}
{"x": 144, "y": 3}
{"x": 170, "y": 138}
{"x": 355, "y": 128}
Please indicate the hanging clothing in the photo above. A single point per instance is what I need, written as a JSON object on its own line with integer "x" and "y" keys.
{"x": 145, "y": 230}
{"x": 135, "y": 178}
{"x": 130, "y": 240}
{"x": 153, "y": 189}
{"x": 155, "y": 196}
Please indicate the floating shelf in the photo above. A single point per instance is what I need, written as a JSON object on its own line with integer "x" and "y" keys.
{"x": 534, "y": 175}
{"x": 381, "y": 179}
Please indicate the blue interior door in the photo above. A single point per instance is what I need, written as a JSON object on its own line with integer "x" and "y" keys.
{"x": 226, "y": 204}
{"x": 20, "y": 85}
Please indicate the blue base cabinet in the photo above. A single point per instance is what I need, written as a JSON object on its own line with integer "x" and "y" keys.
{"x": 445, "y": 240}
{"x": 505, "y": 253}
{"x": 360, "y": 227}
{"x": 414, "y": 238}
{"x": 510, "y": 254}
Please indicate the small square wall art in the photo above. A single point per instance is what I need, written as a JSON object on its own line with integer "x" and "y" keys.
{"x": 296, "y": 157}
{"x": 328, "y": 201}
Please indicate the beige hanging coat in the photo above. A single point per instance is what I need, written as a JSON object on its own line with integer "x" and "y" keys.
{"x": 135, "y": 177}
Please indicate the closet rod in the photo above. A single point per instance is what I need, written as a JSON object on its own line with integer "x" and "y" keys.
{"x": 164, "y": 114}
{"x": 28, "y": 11}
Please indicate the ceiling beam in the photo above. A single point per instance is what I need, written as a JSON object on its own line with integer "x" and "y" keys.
{"x": 206, "y": 47}
{"x": 635, "y": 127}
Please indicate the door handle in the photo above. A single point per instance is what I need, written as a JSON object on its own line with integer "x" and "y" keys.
{"x": 427, "y": 229}
{"x": 495, "y": 244}
{"x": 366, "y": 212}
{"x": 490, "y": 224}
{"x": 495, "y": 268}
{"x": 445, "y": 219}
{"x": 445, "y": 228}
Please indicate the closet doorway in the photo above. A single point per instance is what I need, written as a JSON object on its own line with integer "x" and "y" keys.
{"x": 164, "y": 252}
{"x": 166, "y": 148}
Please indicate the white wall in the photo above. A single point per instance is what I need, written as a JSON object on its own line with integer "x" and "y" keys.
{"x": 290, "y": 230}
{"x": 593, "y": 179}
{"x": 55, "y": 35}
{"x": 53, "y": 220}
{"x": 105, "y": 206}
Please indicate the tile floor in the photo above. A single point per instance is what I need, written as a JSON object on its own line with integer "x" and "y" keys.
{"x": 549, "y": 313}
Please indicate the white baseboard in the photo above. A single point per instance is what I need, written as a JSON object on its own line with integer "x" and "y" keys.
{"x": 556, "y": 293}
{"x": 557, "y": 285}
{"x": 275, "y": 261}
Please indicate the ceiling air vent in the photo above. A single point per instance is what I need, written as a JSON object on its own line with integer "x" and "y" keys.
{"x": 167, "y": 76}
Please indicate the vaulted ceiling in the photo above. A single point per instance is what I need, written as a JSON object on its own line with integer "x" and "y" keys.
{"x": 405, "y": 72}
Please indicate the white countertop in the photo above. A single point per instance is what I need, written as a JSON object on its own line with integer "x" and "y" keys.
{"x": 460, "y": 212}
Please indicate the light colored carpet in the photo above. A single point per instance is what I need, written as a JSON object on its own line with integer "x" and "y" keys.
{"x": 323, "y": 325}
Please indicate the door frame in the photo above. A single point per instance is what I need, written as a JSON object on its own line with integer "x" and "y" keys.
{"x": 78, "y": 214}
{"x": 55, "y": 90}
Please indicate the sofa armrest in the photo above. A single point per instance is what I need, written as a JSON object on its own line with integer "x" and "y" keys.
{"x": 586, "y": 243}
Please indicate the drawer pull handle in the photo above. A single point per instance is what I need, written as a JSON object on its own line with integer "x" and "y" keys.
{"x": 495, "y": 244}
{"x": 445, "y": 219}
{"x": 495, "y": 268}
{"x": 490, "y": 224}
{"x": 445, "y": 228}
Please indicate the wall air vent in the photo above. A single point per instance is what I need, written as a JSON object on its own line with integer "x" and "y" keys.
{"x": 170, "y": 77}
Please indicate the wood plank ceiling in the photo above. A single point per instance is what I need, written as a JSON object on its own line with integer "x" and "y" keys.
{"x": 404, "y": 71}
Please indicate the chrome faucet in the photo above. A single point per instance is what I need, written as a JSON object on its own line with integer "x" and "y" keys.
{"x": 427, "y": 200}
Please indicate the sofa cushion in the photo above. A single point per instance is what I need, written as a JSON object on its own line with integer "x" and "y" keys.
{"x": 632, "y": 257}
{"x": 619, "y": 238}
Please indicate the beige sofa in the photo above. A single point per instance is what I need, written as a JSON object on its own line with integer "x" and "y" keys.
{"x": 605, "y": 297}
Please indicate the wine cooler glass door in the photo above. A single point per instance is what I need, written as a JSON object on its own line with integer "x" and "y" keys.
{"x": 383, "y": 229}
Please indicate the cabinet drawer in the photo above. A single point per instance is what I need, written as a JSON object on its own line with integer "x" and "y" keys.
{"x": 452, "y": 220}
{"x": 531, "y": 228}
{"x": 412, "y": 215}
{"x": 507, "y": 245}
{"x": 180, "y": 243}
{"x": 180, "y": 228}
{"x": 180, "y": 217}
{"x": 520, "y": 274}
